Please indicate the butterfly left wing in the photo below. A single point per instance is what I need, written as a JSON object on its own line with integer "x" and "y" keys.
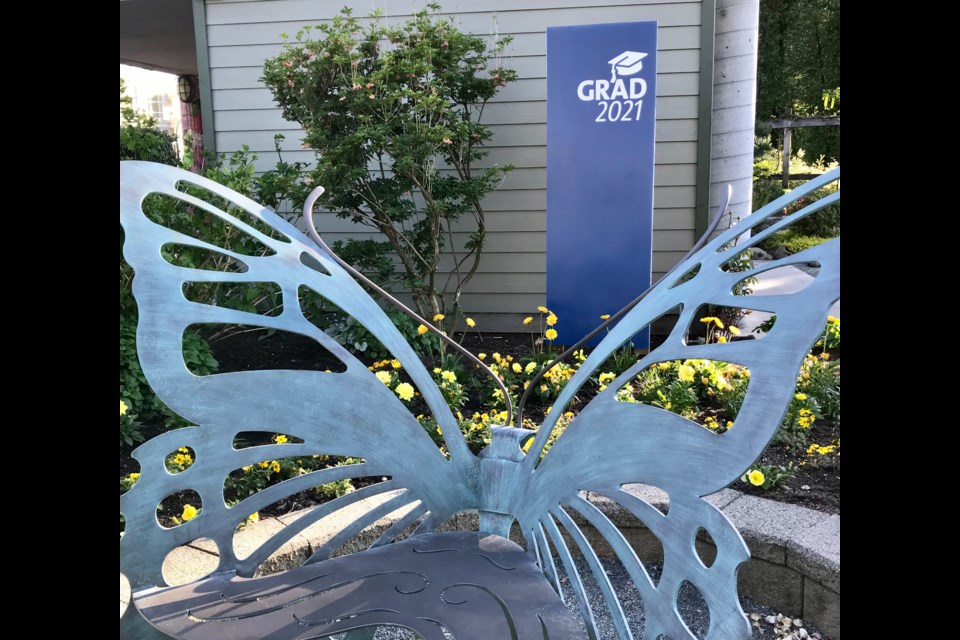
{"x": 610, "y": 443}
{"x": 349, "y": 413}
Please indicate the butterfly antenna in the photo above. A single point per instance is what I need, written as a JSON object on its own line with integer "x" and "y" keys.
{"x": 711, "y": 228}
{"x": 308, "y": 206}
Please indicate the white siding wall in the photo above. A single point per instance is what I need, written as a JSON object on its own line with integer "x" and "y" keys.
{"x": 512, "y": 281}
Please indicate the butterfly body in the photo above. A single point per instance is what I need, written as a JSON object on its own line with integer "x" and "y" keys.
{"x": 351, "y": 413}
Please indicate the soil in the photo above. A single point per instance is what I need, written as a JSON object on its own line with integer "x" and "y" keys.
{"x": 812, "y": 486}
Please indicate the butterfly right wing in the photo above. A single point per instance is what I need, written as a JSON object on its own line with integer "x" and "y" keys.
{"x": 612, "y": 443}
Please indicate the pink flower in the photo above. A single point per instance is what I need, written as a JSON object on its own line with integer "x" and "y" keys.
{"x": 290, "y": 83}
{"x": 287, "y": 63}
{"x": 357, "y": 87}
{"x": 308, "y": 180}
{"x": 308, "y": 53}
{"x": 369, "y": 85}
{"x": 447, "y": 141}
{"x": 372, "y": 97}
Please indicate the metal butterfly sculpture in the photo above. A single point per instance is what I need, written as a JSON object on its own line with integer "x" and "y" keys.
{"x": 351, "y": 413}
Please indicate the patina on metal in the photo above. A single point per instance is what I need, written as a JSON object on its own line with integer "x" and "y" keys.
{"x": 474, "y": 585}
{"x": 351, "y": 413}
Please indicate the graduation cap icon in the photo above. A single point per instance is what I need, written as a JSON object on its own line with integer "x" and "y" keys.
{"x": 626, "y": 64}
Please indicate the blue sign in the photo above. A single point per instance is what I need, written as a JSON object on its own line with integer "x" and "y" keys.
{"x": 601, "y": 83}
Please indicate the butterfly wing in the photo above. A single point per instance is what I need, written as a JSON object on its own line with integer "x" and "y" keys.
{"x": 610, "y": 443}
{"x": 349, "y": 413}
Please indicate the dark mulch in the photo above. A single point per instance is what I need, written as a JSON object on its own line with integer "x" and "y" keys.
{"x": 811, "y": 486}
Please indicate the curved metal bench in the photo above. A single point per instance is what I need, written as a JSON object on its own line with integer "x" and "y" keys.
{"x": 473, "y": 584}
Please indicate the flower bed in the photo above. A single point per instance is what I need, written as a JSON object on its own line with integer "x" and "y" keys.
{"x": 802, "y": 464}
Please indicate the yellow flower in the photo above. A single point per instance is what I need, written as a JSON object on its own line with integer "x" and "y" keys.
{"x": 729, "y": 424}
{"x": 543, "y": 388}
{"x": 496, "y": 357}
{"x": 189, "y": 512}
{"x": 686, "y": 373}
{"x": 134, "y": 476}
{"x": 280, "y": 438}
{"x": 528, "y": 320}
{"x": 471, "y": 323}
{"x": 275, "y": 466}
{"x": 543, "y": 310}
{"x": 607, "y": 377}
{"x": 248, "y": 467}
{"x": 530, "y": 368}
{"x": 449, "y": 376}
{"x": 422, "y": 329}
{"x": 526, "y": 445}
{"x": 833, "y": 320}
{"x": 800, "y": 396}
{"x": 396, "y": 364}
{"x": 253, "y": 517}
{"x": 550, "y": 334}
{"x": 264, "y": 464}
{"x": 551, "y": 319}
{"x": 482, "y": 356}
{"x": 385, "y": 377}
{"x": 438, "y": 317}
{"x": 733, "y": 330}
{"x": 721, "y": 339}
{"x": 717, "y": 322}
{"x": 824, "y": 356}
{"x": 404, "y": 390}
{"x": 664, "y": 366}
{"x": 756, "y": 477}
{"x": 704, "y": 380}
{"x": 517, "y": 368}
{"x": 707, "y": 320}
{"x": 123, "y": 407}
{"x": 605, "y": 316}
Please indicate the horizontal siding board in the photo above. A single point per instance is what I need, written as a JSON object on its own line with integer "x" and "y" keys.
{"x": 290, "y": 15}
{"x": 517, "y": 241}
{"x": 259, "y": 97}
{"x": 524, "y": 43}
{"x": 530, "y": 66}
{"x": 511, "y": 222}
{"x": 494, "y": 262}
{"x": 396, "y": 12}
{"x": 534, "y": 283}
{"x": 532, "y": 112}
{"x": 261, "y": 142}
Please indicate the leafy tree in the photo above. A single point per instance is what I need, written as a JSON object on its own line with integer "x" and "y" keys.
{"x": 799, "y": 69}
{"x": 393, "y": 114}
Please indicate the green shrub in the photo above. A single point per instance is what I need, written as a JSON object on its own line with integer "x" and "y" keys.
{"x": 139, "y": 137}
{"x": 398, "y": 135}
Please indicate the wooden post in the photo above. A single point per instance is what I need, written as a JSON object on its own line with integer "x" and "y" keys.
{"x": 785, "y": 183}
{"x": 788, "y": 122}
